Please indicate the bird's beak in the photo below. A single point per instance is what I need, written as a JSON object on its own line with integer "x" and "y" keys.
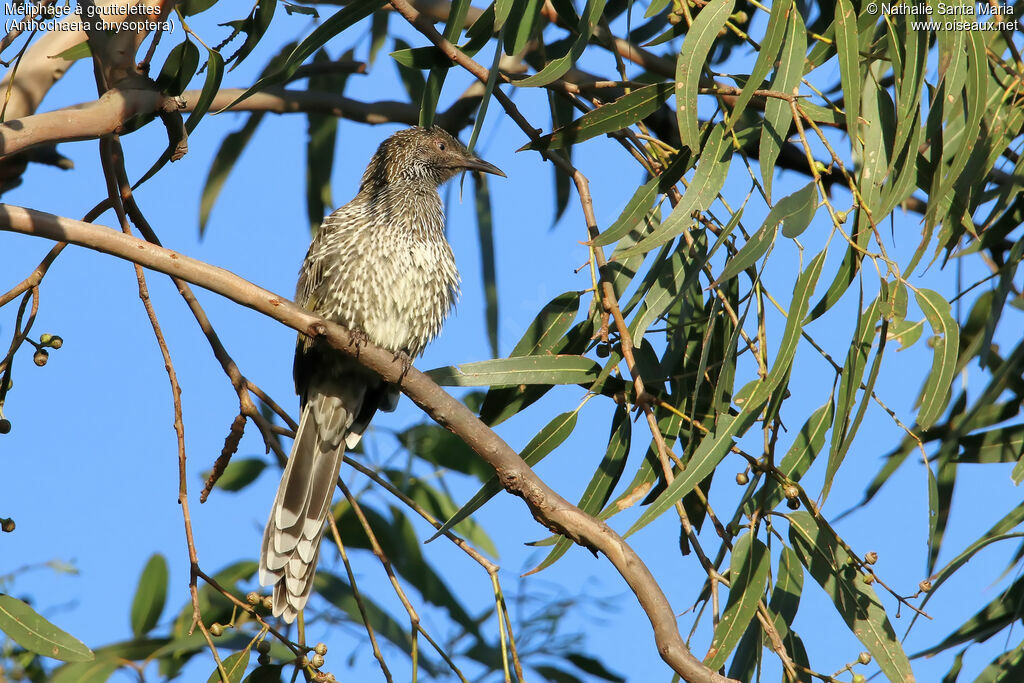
{"x": 475, "y": 164}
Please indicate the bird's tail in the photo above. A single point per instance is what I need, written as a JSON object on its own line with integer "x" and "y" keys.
{"x": 291, "y": 541}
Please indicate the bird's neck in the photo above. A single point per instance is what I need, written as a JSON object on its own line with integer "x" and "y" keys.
{"x": 411, "y": 207}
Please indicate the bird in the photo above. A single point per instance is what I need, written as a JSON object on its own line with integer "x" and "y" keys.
{"x": 382, "y": 267}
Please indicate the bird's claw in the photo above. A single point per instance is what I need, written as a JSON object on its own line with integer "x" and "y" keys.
{"x": 356, "y": 339}
{"x": 403, "y": 355}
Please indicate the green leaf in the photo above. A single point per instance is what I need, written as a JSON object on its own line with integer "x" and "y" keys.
{"x": 750, "y": 567}
{"x": 179, "y": 68}
{"x": 847, "y": 272}
{"x": 690, "y": 64}
{"x": 522, "y": 370}
{"x": 228, "y": 154}
{"x": 439, "y": 504}
{"x": 707, "y": 181}
{"x": 271, "y": 673}
{"x": 549, "y": 333}
{"x": 712, "y": 449}
{"x": 338, "y": 592}
{"x": 791, "y": 208}
{"x": 795, "y": 223}
{"x": 638, "y": 205}
{"x": 606, "y": 476}
{"x": 485, "y": 230}
{"x": 557, "y": 67}
{"x": 621, "y": 113}
{"x": 849, "y": 385}
{"x": 240, "y": 473}
{"x": 75, "y": 52}
{"x": 522, "y": 22}
{"x": 190, "y": 7}
{"x": 998, "y": 614}
{"x": 378, "y": 34}
{"x": 234, "y": 665}
{"x": 1009, "y": 666}
{"x": 548, "y": 439}
{"x": 798, "y": 459}
{"x": 1003, "y": 445}
{"x": 835, "y": 571}
{"x": 321, "y": 139}
{"x": 906, "y": 332}
{"x": 150, "y": 596}
{"x": 437, "y": 445}
{"x": 338, "y": 22}
{"x": 847, "y": 44}
{"x": 96, "y": 671}
{"x": 593, "y": 667}
{"x": 502, "y": 10}
{"x": 34, "y": 633}
{"x": 777, "y": 113}
{"x": 214, "y": 74}
{"x": 412, "y": 77}
{"x": 673, "y": 280}
{"x": 935, "y": 394}
{"x": 254, "y": 27}
{"x": 770, "y": 44}
{"x": 435, "y": 80}
{"x": 802, "y": 291}
{"x": 1000, "y": 531}
{"x": 641, "y": 202}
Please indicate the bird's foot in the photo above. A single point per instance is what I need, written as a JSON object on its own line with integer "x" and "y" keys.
{"x": 406, "y": 359}
{"x": 356, "y": 339}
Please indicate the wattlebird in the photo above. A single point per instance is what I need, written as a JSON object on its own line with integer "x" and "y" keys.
{"x": 380, "y": 266}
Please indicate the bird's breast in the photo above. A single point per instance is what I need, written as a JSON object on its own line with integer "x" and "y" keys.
{"x": 416, "y": 285}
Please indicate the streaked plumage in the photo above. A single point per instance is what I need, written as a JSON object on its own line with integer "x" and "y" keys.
{"x": 379, "y": 265}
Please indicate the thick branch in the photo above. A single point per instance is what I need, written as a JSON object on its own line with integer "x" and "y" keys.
{"x": 547, "y": 507}
{"x": 85, "y": 122}
{"x": 109, "y": 113}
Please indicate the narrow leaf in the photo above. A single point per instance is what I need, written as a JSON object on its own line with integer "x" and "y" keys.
{"x": 690, "y": 64}
{"x": 847, "y": 45}
{"x": 548, "y": 439}
{"x": 601, "y": 484}
{"x": 712, "y": 168}
{"x": 792, "y": 207}
{"x": 777, "y": 113}
{"x": 150, "y": 596}
{"x": 337, "y": 23}
{"x": 228, "y": 154}
{"x": 522, "y": 370}
{"x": 834, "y": 570}
{"x": 557, "y": 67}
{"x": 770, "y": 44}
{"x": 621, "y": 113}
{"x": 34, "y": 633}
{"x": 234, "y": 665}
{"x": 214, "y": 74}
{"x": 485, "y": 231}
{"x": 935, "y": 394}
{"x": 749, "y": 570}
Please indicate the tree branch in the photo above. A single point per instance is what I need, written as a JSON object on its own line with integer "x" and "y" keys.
{"x": 84, "y": 122}
{"x": 547, "y": 507}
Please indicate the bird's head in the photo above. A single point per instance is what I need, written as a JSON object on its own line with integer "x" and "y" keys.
{"x": 422, "y": 155}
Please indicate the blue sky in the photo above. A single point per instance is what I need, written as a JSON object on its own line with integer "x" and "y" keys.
{"x": 90, "y": 469}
